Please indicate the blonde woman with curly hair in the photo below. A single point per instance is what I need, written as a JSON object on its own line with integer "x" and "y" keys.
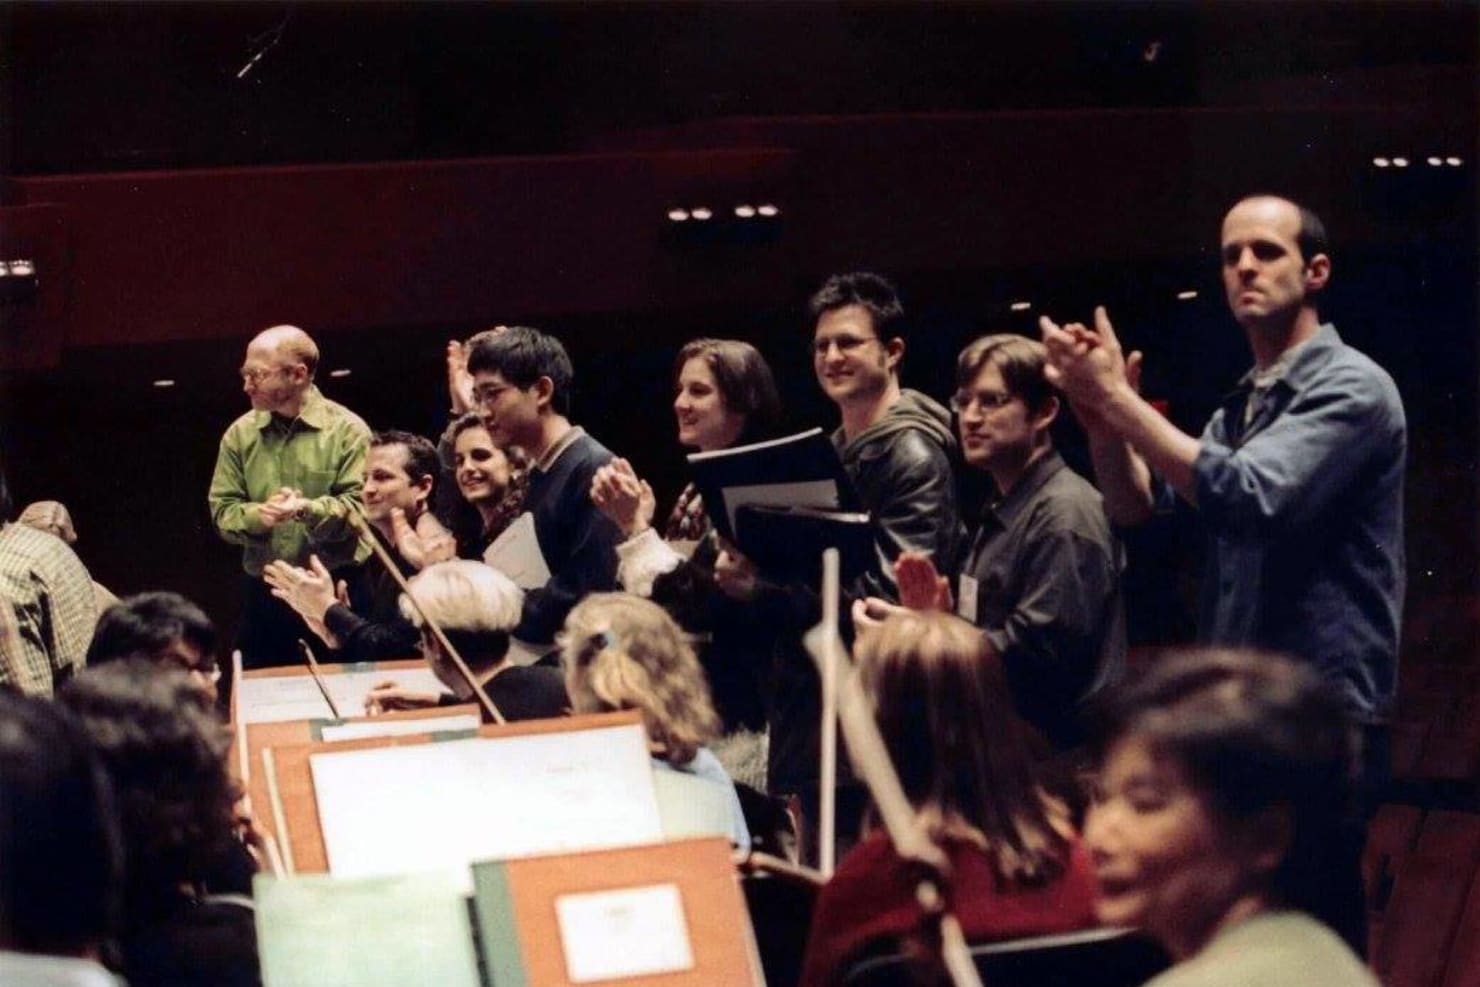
{"x": 624, "y": 652}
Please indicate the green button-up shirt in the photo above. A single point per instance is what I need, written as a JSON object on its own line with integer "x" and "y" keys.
{"x": 322, "y": 453}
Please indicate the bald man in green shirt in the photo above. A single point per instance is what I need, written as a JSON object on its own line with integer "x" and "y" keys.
{"x": 288, "y": 475}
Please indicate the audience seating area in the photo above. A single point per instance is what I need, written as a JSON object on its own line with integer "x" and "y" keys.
{"x": 1422, "y": 860}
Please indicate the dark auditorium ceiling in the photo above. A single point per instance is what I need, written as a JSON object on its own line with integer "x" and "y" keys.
{"x": 109, "y": 87}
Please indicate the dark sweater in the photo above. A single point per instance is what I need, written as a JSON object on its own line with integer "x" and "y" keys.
{"x": 578, "y": 541}
{"x": 523, "y": 692}
{"x": 372, "y": 628}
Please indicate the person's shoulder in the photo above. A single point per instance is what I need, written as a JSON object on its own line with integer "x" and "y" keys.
{"x": 541, "y": 686}
{"x": 43, "y": 547}
{"x": 1352, "y": 371}
{"x": 1264, "y": 949}
{"x": 342, "y": 417}
{"x": 589, "y": 450}
{"x": 865, "y": 860}
{"x": 245, "y": 424}
{"x": 1067, "y": 498}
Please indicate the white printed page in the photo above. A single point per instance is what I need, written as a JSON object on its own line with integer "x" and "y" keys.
{"x": 274, "y": 699}
{"x": 628, "y": 933}
{"x": 431, "y": 806}
{"x": 517, "y": 554}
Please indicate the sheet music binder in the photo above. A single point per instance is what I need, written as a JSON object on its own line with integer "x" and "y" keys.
{"x": 801, "y": 470}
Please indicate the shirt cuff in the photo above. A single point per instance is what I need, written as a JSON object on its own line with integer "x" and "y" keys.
{"x": 643, "y": 558}
{"x": 341, "y": 621}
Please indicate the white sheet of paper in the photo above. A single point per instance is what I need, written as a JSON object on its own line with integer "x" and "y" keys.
{"x": 809, "y": 493}
{"x": 627, "y": 933}
{"x": 400, "y": 728}
{"x": 966, "y": 598}
{"x": 517, "y": 554}
{"x": 295, "y": 697}
{"x": 403, "y": 810}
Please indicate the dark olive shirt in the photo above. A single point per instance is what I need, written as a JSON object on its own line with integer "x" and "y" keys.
{"x": 1047, "y": 573}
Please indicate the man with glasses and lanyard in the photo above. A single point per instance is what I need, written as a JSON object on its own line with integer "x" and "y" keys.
{"x": 1042, "y": 575}
{"x": 288, "y": 475}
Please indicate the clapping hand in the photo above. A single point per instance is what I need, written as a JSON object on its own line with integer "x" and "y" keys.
{"x": 621, "y": 495}
{"x": 424, "y": 544}
{"x": 921, "y": 586}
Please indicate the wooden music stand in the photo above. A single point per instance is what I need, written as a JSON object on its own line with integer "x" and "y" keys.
{"x": 305, "y": 840}
{"x": 529, "y": 890}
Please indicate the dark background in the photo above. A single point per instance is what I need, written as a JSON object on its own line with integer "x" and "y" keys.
{"x": 389, "y": 176}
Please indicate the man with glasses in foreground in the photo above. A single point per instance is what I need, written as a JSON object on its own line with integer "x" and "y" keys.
{"x": 1042, "y": 576}
{"x": 288, "y": 475}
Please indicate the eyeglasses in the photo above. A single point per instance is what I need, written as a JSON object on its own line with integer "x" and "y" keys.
{"x": 486, "y": 394}
{"x": 845, "y": 343}
{"x": 985, "y": 400}
{"x": 254, "y": 376}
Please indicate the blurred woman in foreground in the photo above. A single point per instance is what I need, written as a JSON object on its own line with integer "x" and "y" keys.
{"x": 1220, "y": 824}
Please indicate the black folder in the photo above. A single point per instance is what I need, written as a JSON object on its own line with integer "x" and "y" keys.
{"x": 801, "y": 470}
{"x": 786, "y": 543}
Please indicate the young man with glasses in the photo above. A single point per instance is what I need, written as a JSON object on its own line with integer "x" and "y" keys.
{"x": 288, "y": 475}
{"x": 897, "y": 448}
{"x": 522, "y": 381}
{"x": 896, "y": 444}
{"x": 1042, "y": 574}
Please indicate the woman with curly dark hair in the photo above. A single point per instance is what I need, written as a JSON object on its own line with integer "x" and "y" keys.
{"x": 164, "y": 749}
{"x": 487, "y": 489}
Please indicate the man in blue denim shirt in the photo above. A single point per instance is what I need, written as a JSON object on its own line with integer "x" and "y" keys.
{"x": 1298, "y": 476}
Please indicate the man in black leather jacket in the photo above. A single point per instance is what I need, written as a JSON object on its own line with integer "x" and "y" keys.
{"x": 898, "y": 449}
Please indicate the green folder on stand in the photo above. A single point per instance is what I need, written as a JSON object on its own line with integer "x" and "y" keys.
{"x": 365, "y": 932}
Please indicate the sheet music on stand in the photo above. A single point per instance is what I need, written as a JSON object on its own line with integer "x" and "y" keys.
{"x": 274, "y": 698}
{"x": 441, "y": 806}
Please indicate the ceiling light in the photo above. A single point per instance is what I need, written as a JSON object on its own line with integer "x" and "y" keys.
{"x": 1453, "y": 162}
{"x": 1400, "y": 162}
{"x": 745, "y": 212}
{"x": 1020, "y": 306}
{"x": 678, "y": 215}
{"x": 1186, "y": 296}
{"x": 1377, "y": 162}
{"x": 701, "y": 213}
{"x": 341, "y": 372}
{"x": 22, "y": 268}
{"x": 768, "y": 210}
{"x": 1435, "y": 162}
{"x": 164, "y": 383}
